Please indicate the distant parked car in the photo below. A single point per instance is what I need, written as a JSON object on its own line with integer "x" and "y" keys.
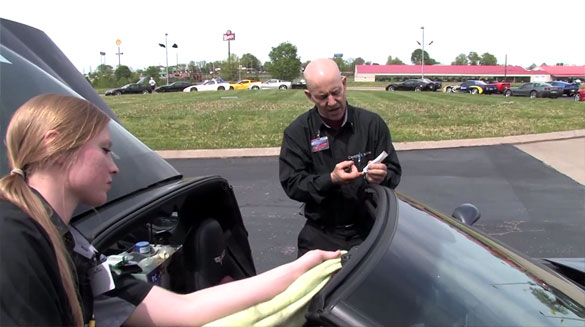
{"x": 580, "y": 95}
{"x": 243, "y": 84}
{"x": 271, "y": 84}
{"x": 418, "y": 84}
{"x": 174, "y": 87}
{"x": 535, "y": 90}
{"x": 502, "y": 86}
{"x": 477, "y": 87}
{"x": 208, "y": 85}
{"x": 569, "y": 89}
{"x": 299, "y": 84}
{"x": 130, "y": 88}
{"x": 452, "y": 88}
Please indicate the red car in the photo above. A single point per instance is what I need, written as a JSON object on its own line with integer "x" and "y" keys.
{"x": 580, "y": 95}
{"x": 502, "y": 86}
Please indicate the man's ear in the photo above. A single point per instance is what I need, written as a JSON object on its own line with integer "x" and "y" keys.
{"x": 308, "y": 94}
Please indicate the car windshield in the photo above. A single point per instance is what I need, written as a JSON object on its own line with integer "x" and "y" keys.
{"x": 437, "y": 273}
{"x": 126, "y": 86}
{"x": 139, "y": 166}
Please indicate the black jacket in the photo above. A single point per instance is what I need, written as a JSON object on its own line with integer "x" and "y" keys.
{"x": 31, "y": 292}
{"x": 305, "y": 169}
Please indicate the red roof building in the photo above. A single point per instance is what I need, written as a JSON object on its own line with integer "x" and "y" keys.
{"x": 370, "y": 73}
{"x": 563, "y": 72}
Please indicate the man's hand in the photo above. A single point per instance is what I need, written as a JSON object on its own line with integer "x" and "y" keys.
{"x": 345, "y": 172}
{"x": 376, "y": 173}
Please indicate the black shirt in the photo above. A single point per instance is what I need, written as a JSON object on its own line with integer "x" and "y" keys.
{"x": 305, "y": 165}
{"x": 31, "y": 292}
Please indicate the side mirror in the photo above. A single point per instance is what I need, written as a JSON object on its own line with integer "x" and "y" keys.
{"x": 466, "y": 213}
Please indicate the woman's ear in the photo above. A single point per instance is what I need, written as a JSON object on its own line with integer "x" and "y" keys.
{"x": 49, "y": 135}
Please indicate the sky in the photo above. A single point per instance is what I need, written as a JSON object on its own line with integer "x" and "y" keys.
{"x": 516, "y": 32}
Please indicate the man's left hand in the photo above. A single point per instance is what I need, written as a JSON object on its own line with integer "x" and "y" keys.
{"x": 376, "y": 173}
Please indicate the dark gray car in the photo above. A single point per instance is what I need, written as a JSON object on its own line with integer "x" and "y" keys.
{"x": 535, "y": 90}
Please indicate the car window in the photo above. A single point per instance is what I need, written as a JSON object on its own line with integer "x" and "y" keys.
{"x": 436, "y": 273}
{"x": 139, "y": 166}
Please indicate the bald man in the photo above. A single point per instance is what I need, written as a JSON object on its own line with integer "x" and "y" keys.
{"x": 323, "y": 154}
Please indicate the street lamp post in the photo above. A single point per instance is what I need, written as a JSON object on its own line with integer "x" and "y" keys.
{"x": 166, "y": 56}
{"x": 422, "y": 54}
{"x": 176, "y": 47}
{"x": 422, "y": 66}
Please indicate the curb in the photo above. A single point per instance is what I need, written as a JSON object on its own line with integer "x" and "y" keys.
{"x": 400, "y": 146}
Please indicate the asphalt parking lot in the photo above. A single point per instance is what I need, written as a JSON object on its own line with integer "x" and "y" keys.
{"x": 526, "y": 201}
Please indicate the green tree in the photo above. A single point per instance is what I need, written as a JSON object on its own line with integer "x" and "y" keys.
{"x": 249, "y": 61}
{"x": 531, "y": 67}
{"x": 154, "y": 72}
{"x": 416, "y": 58}
{"x": 103, "y": 77}
{"x": 353, "y": 62}
{"x": 340, "y": 63}
{"x": 192, "y": 67}
{"x": 123, "y": 73}
{"x": 461, "y": 59}
{"x": 394, "y": 61}
{"x": 488, "y": 59}
{"x": 104, "y": 70}
{"x": 229, "y": 68}
{"x": 473, "y": 58}
{"x": 284, "y": 62}
{"x": 358, "y": 61}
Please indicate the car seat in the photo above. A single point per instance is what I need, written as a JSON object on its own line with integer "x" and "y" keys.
{"x": 207, "y": 261}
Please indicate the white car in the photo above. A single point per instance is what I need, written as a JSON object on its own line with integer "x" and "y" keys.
{"x": 271, "y": 84}
{"x": 208, "y": 85}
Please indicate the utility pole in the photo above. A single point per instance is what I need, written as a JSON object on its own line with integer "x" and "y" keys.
{"x": 118, "y": 42}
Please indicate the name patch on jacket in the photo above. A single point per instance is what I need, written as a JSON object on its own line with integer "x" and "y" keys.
{"x": 320, "y": 144}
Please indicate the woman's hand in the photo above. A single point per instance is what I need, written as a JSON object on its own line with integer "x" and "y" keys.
{"x": 313, "y": 258}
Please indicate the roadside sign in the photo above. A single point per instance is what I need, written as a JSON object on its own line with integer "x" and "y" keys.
{"x": 229, "y": 36}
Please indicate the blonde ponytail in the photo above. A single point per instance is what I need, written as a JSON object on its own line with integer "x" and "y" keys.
{"x": 76, "y": 121}
{"x": 14, "y": 189}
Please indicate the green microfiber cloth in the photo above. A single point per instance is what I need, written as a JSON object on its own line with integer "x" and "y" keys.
{"x": 289, "y": 307}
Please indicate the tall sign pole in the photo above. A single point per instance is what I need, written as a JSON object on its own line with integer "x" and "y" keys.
{"x": 118, "y": 42}
{"x": 229, "y": 36}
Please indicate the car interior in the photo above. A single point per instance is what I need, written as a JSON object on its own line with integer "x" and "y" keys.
{"x": 195, "y": 240}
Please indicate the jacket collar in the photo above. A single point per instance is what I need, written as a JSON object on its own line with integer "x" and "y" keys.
{"x": 316, "y": 122}
{"x": 55, "y": 218}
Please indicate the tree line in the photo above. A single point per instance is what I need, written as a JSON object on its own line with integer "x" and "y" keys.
{"x": 284, "y": 64}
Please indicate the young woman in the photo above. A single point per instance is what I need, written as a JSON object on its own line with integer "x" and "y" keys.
{"x": 59, "y": 150}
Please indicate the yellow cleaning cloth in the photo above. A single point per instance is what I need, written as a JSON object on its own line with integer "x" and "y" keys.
{"x": 287, "y": 308}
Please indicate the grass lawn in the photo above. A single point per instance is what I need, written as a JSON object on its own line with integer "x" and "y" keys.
{"x": 241, "y": 119}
